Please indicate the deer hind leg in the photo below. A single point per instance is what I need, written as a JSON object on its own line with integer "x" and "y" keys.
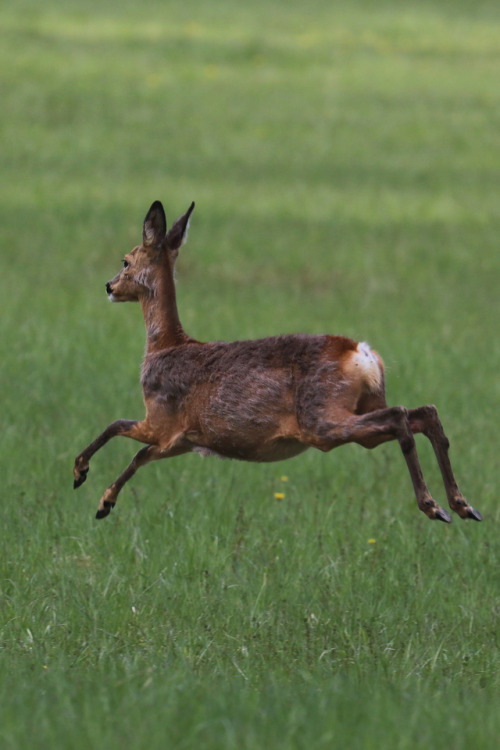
{"x": 374, "y": 428}
{"x": 124, "y": 427}
{"x": 425, "y": 419}
{"x": 145, "y": 456}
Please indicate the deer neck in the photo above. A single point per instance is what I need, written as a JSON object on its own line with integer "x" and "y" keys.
{"x": 159, "y": 308}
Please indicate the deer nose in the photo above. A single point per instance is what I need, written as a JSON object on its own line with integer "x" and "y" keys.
{"x": 108, "y": 288}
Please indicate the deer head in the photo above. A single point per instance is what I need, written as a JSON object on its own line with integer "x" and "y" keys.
{"x": 141, "y": 267}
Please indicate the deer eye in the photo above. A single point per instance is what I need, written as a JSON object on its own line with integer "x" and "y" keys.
{"x": 126, "y": 264}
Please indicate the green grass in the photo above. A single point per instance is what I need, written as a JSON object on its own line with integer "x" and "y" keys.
{"x": 344, "y": 161}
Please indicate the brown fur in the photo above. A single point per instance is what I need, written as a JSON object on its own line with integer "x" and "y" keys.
{"x": 262, "y": 400}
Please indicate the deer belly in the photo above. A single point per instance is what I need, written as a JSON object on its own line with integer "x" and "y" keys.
{"x": 277, "y": 449}
{"x": 271, "y": 437}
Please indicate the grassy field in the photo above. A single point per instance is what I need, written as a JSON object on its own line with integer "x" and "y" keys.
{"x": 344, "y": 159}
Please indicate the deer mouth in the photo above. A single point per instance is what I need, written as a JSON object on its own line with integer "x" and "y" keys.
{"x": 109, "y": 292}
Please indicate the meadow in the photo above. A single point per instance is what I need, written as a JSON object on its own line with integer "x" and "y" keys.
{"x": 344, "y": 160}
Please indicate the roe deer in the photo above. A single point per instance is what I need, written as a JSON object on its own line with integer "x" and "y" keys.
{"x": 262, "y": 400}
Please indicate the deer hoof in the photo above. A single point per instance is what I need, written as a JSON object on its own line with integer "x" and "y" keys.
{"x": 80, "y": 479}
{"x": 442, "y": 515}
{"x": 105, "y": 510}
{"x": 474, "y": 514}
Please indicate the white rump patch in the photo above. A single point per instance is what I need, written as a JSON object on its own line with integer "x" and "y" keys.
{"x": 369, "y": 364}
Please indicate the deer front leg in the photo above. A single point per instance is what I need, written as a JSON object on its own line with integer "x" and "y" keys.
{"x": 108, "y": 500}
{"x": 425, "y": 419}
{"x": 143, "y": 457}
{"x": 120, "y": 427}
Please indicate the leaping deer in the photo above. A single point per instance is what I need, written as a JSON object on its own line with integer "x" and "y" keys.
{"x": 263, "y": 400}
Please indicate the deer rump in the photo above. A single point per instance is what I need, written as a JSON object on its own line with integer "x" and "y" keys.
{"x": 261, "y": 400}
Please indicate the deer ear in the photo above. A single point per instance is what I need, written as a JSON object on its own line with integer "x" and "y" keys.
{"x": 177, "y": 234}
{"x": 155, "y": 226}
